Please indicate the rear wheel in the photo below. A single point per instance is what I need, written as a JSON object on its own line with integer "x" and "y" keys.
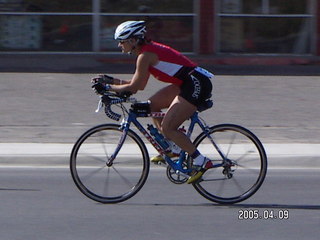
{"x": 244, "y": 164}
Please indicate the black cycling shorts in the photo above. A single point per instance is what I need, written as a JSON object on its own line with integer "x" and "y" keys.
{"x": 196, "y": 88}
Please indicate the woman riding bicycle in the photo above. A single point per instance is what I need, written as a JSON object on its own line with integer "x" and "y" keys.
{"x": 190, "y": 86}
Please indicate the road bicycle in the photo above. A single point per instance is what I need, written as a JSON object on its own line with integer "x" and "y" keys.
{"x": 110, "y": 163}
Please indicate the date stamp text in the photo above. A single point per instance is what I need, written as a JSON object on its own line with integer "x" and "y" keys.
{"x": 267, "y": 214}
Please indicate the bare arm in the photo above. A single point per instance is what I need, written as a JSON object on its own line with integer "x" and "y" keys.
{"x": 140, "y": 77}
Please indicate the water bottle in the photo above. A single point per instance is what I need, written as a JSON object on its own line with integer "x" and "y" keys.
{"x": 158, "y": 137}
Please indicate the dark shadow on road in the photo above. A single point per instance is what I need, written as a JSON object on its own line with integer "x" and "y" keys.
{"x": 276, "y": 206}
{"x": 239, "y": 206}
{"x": 19, "y": 189}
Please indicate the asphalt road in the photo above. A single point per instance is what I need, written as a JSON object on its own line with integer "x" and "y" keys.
{"x": 42, "y": 203}
{"x": 38, "y": 202}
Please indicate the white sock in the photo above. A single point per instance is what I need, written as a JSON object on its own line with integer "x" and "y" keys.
{"x": 199, "y": 161}
{"x": 174, "y": 147}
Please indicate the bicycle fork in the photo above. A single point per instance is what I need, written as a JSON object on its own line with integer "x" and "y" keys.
{"x": 124, "y": 127}
{"x": 116, "y": 151}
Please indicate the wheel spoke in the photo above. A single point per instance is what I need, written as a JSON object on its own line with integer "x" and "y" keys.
{"x": 232, "y": 140}
{"x": 95, "y": 158}
{"x": 91, "y": 174}
{"x": 106, "y": 184}
{"x": 238, "y": 185}
{"x": 125, "y": 179}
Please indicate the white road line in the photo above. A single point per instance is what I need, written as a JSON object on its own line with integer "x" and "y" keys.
{"x": 61, "y": 149}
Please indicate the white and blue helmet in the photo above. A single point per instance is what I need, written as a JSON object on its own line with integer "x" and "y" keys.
{"x": 130, "y": 29}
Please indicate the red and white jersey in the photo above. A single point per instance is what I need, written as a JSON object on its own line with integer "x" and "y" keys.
{"x": 170, "y": 62}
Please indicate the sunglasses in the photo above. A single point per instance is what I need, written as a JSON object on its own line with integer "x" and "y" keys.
{"x": 123, "y": 41}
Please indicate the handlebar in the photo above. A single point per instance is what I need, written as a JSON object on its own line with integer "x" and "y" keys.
{"x": 110, "y": 114}
{"x": 110, "y": 98}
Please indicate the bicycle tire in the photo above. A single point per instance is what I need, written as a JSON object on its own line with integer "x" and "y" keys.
{"x": 116, "y": 183}
{"x": 228, "y": 185}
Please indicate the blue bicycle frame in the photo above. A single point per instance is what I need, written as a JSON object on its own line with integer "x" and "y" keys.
{"x": 177, "y": 166}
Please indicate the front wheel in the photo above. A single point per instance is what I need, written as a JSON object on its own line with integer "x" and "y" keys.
{"x": 243, "y": 164}
{"x": 101, "y": 180}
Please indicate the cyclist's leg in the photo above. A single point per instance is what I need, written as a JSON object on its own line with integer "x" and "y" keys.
{"x": 193, "y": 92}
{"x": 162, "y": 99}
{"x": 179, "y": 111}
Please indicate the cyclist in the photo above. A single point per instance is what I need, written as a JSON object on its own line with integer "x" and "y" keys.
{"x": 190, "y": 86}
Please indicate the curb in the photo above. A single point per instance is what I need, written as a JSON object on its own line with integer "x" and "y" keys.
{"x": 288, "y": 156}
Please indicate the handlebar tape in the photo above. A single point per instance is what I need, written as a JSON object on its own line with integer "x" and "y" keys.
{"x": 111, "y": 114}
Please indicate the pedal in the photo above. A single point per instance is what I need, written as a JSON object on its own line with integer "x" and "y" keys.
{"x": 160, "y": 163}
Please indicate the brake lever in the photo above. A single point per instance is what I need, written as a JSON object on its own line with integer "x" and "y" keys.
{"x": 100, "y": 105}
